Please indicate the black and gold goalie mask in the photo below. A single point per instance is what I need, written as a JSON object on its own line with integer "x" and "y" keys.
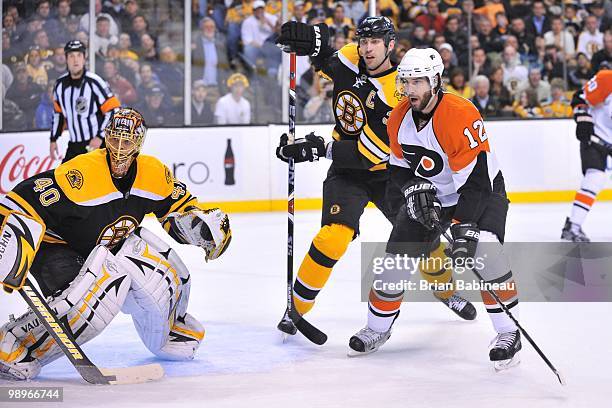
{"x": 124, "y": 135}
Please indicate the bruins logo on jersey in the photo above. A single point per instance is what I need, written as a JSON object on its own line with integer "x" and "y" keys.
{"x": 75, "y": 178}
{"x": 350, "y": 112}
{"x": 424, "y": 162}
{"x": 117, "y": 230}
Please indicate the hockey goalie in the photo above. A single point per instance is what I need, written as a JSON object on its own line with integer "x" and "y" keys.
{"x": 76, "y": 230}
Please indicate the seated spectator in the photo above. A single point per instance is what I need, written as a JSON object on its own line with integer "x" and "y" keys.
{"x": 515, "y": 74}
{"x": 120, "y": 86}
{"x": 209, "y": 56}
{"x": 418, "y": 38}
{"x": 10, "y": 54}
{"x": 502, "y": 25}
{"x": 102, "y": 36}
{"x": 527, "y": 106}
{"x": 339, "y": 23}
{"x": 432, "y": 21}
{"x": 35, "y": 67}
{"x": 353, "y": 9}
{"x": 41, "y": 40}
{"x": 489, "y": 39}
{"x": 148, "y": 48}
{"x": 490, "y": 9}
{"x": 405, "y": 18}
{"x": 233, "y": 108}
{"x": 539, "y": 85}
{"x": 319, "y": 10}
{"x": 148, "y": 79}
{"x": 604, "y": 54}
{"x": 43, "y": 10}
{"x": 553, "y": 66}
{"x": 140, "y": 26}
{"x": 154, "y": 111}
{"x": 559, "y": 107}
{"x": 456, "y": 37}
{"x": 340, "y": 41}
{"x": 480, "y": 63}
{"x": 125, "y": 47}
{"x": 499, "y": 91}
{"x": 10, "y": 28}
{"x": 525, "y": 40}
{"x": 580, "y": 75}
{"x": 538, "y": 22}
{"x": 236, "y": 14}
{"x": 201, "y": 111}
{"x": 45, "y": 109}
{"x": 560, "y": 37}
{"x": 33, "y": 25}
{"x": 457, "y": 84}
{"x": 73, "y": 24}
{"x": 170, "y": 72}
{"x": 571, "y": 20}
{"x": 131, "y": 10}
{"x": 60, "y": 32}
{"x": 590, "y": 39}
{"x": 448, "y": 59}
{"x": 117, "y": 10}
{"x": 25, "y": 93}
{"x": 319, "y": 108}
{"x": 255, "y": 30}
{"x": 486, "y": 104}
{"x": 84, "y": 22}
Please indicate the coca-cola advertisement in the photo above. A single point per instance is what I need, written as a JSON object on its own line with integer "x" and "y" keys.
{"x": 23, "y": 157}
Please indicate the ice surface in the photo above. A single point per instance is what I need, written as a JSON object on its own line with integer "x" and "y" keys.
{"x": 432, "y": 360}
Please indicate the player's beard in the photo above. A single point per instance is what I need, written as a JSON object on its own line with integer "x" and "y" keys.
{"x": 424, "y": 102}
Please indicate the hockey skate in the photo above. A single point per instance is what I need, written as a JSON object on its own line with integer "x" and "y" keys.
{"x": 573, "y": 232}
{"x": 286, "y": 326}
{"x": 462, "y": 307}
{"x": 503, "y": 352}
{"x": 367, "y": 341}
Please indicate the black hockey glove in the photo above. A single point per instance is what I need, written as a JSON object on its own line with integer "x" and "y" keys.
{"x": 584, "y": 123}
{"x": 422, "y": 204}
{"x": 465, "y": 236}
{"x": 308, "y": 149}
{"x": 302, "y": 38}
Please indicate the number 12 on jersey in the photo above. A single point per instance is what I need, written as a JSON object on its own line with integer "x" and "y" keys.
{"x": 482, "y": 135}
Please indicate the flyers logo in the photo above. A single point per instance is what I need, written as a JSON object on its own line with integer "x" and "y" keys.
{"x": 425, "y": 163}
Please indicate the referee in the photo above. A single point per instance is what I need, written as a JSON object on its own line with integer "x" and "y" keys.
{"x": 83, "y": 103}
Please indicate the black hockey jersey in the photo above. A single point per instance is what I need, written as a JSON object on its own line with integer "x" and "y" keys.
{"x": 82, "y": 205}
{"x": 361, "y": 105}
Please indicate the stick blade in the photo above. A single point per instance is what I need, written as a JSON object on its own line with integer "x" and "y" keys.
{"x": 133, "y": 375}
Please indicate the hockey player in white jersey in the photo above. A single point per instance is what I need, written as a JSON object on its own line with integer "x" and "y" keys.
{"x": 442, "y": 161}
{"x": 593, "y": 115}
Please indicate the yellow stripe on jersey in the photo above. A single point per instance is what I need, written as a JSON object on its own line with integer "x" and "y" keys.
{"x": 365, "y": 152}
{"x": 349, "y": 56}
{"x": 367, "y": 130}
{"x": 29, "y": 210}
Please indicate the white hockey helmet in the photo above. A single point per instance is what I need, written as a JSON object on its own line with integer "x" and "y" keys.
{"x": 421, "y": 62}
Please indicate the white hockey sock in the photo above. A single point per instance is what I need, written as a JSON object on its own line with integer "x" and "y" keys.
{"x": 591, "y": 185}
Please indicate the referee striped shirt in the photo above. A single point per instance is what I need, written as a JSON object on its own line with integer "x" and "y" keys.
{"x": 82, "y": 105}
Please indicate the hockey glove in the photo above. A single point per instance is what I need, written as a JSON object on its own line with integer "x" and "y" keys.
{"x": 208, "y": 229}
{"x": 465, "y": 240}
{"x": 584, "y": 123}
{"x": 302, "y": 38}
{"x": 308, "y": 149}
{"x": 422, "y": 204}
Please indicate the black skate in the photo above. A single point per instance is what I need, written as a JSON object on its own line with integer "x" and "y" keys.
{"x": 287, "y": 326}
{"x": 573, "y": 232}
{"x": 505, "y": 347}
{"x": 462, "y": 307}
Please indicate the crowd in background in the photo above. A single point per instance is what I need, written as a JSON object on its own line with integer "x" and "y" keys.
{"x": 527, "y": 57}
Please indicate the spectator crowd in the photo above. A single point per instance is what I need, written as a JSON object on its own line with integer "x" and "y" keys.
{"x": 512, "y": 58}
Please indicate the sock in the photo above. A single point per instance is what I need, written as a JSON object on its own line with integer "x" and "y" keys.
{"x": 326, "y": 249}
{"x": 592, "y": 183}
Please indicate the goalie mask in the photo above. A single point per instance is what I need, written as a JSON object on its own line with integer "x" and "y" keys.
{"x": 124, "y": 135}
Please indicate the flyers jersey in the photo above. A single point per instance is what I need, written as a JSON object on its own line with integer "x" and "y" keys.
{"x": 82, "y": 205}
{"x": 598, "y": 94}
{"x": 361, "y": 104}
{"x": 450, "y": 150}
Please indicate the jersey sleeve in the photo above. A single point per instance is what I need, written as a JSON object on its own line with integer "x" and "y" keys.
{"x": 460, "y": 131}
{"x": 57, "y": 125}
{"x": 598, "y": 88}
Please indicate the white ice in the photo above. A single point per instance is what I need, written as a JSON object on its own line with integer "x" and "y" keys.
{"x": 432, "y": 360}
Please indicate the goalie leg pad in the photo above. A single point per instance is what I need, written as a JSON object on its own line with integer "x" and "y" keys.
{"x": 87, "y": 306}
{"x": 159, "y": 295}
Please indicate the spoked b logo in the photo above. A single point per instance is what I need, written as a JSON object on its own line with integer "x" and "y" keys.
{"x": 425, "y": 163}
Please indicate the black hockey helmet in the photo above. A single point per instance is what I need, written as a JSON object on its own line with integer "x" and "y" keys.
{"x": 74, "y": 46}
{"x": 377, "y": 26}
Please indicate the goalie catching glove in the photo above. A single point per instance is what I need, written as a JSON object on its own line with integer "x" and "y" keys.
{"x": 308, "y": 149}
{"x": 208, "y": 229}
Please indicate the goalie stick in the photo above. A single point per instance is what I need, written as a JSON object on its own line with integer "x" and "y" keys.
{"x": 509, "y": 313}
{"x": 308, "y": 330}
{"x": 66, "y": 342}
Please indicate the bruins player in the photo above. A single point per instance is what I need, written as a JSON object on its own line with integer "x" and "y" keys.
{"x": 364, "y": 94}
{"x": 442, "y": 161}
{"x": 94, "y": 259}
{"x": 593, "y": 115}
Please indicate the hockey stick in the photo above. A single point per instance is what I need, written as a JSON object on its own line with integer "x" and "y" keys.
{"x": 509, "y": 313}
{"x": 600, "y": 142}
{"x": 66, "y": 342}
{"x": 308, "y": 330}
